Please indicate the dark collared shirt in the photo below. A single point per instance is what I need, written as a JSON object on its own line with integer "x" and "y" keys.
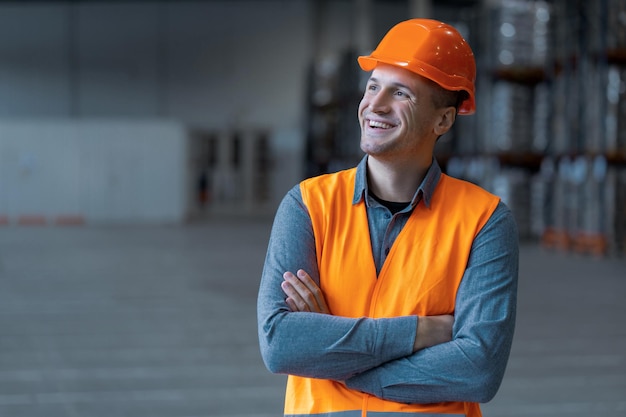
{"x": 385, "y": 227}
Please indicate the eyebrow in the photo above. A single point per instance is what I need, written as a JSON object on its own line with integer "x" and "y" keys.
{"x": 396, "y": 84}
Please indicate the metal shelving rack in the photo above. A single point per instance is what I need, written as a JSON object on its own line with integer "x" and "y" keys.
{"x": 549, "y": 135}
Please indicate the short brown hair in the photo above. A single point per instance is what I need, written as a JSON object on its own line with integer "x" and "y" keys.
{"x": 447, "y": 98}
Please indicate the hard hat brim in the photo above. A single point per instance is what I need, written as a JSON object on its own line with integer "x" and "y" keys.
{"x": 369, "y": 63}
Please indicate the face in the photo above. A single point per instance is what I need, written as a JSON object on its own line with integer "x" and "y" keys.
{"x": 398, "y": 117}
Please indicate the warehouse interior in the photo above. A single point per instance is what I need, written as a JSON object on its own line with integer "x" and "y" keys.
{"x": 145, "y": 145}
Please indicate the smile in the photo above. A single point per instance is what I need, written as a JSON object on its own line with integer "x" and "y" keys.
{"x": 379, "y": 125}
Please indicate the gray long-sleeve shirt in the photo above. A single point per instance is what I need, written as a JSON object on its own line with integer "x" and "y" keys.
{"x": 375, "y": 355}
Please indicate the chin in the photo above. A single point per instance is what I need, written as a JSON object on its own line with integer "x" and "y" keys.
{"x": 373, "y": 150}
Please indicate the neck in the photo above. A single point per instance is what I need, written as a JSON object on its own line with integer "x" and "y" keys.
{"x": 393, "y": 181}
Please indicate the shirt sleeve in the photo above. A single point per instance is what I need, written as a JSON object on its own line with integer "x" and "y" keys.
{"x": 471, "y": 366}
{"x": 311, "y": 344}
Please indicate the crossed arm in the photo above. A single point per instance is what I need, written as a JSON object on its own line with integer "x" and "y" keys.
{"x": 386, "y": 357}
{"x": 303, "y": 294}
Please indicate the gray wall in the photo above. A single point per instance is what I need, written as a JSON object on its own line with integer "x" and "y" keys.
{"x": 203, "y": 66}
{"x": 209, "y": 64}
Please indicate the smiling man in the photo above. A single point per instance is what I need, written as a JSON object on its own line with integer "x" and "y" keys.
{"x": 389, "y": 289}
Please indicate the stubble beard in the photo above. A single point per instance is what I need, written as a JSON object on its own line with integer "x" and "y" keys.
{"x": 379, "y": 149}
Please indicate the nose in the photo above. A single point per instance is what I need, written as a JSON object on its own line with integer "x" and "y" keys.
{"x": 378, "y": 103}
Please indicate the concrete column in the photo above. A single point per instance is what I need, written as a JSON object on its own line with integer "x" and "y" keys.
{"x": 225, "y": 184}
{"x": 362, "y": 29}
{"x": 248, "y": 168}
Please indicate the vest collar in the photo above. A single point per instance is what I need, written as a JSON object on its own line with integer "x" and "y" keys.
{"x": 424, "y": 192}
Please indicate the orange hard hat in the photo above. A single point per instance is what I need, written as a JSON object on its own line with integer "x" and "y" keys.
{"x": 432, "y": 49}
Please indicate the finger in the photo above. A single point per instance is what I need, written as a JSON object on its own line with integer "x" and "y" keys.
{"x": 294, "y": 300}
{"x": 315, "y": 290}
{"x": 302, "y": 295}
{"x": 291, "y": 304}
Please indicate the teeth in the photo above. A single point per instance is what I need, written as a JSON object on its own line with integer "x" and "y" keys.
{"x": 380, "y": 125}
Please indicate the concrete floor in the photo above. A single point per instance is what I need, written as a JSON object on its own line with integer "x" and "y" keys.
{"x": 160, "y": 322}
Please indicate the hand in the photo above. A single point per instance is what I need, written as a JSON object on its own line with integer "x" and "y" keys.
{"x": 303, "y": 294}
{"x": 433, "y": 330}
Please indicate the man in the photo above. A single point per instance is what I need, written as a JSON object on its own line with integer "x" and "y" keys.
{"x": 390, "y": 289}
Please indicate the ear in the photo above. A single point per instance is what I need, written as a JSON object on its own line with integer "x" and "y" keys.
{"x": 446, "y": 120}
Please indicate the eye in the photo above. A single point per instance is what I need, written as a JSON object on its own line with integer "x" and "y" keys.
{"x": 401, "y": 94}
{"x": 372, "y": 87}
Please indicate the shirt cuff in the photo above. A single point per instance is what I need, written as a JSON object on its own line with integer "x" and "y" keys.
{"x": 396, "y": 337}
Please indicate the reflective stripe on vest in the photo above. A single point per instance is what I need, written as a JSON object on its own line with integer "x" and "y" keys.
{"x": 420, "y": 276}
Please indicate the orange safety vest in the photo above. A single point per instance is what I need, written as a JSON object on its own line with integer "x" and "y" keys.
{"x": 420, "y": 276}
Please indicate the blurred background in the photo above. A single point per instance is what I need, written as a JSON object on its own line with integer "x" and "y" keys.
{"x": 139, "y": 111}
{"x": 145, "y": 145}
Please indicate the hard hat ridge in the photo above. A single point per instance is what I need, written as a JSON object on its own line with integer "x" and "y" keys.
{"x": 432, "y": 49}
